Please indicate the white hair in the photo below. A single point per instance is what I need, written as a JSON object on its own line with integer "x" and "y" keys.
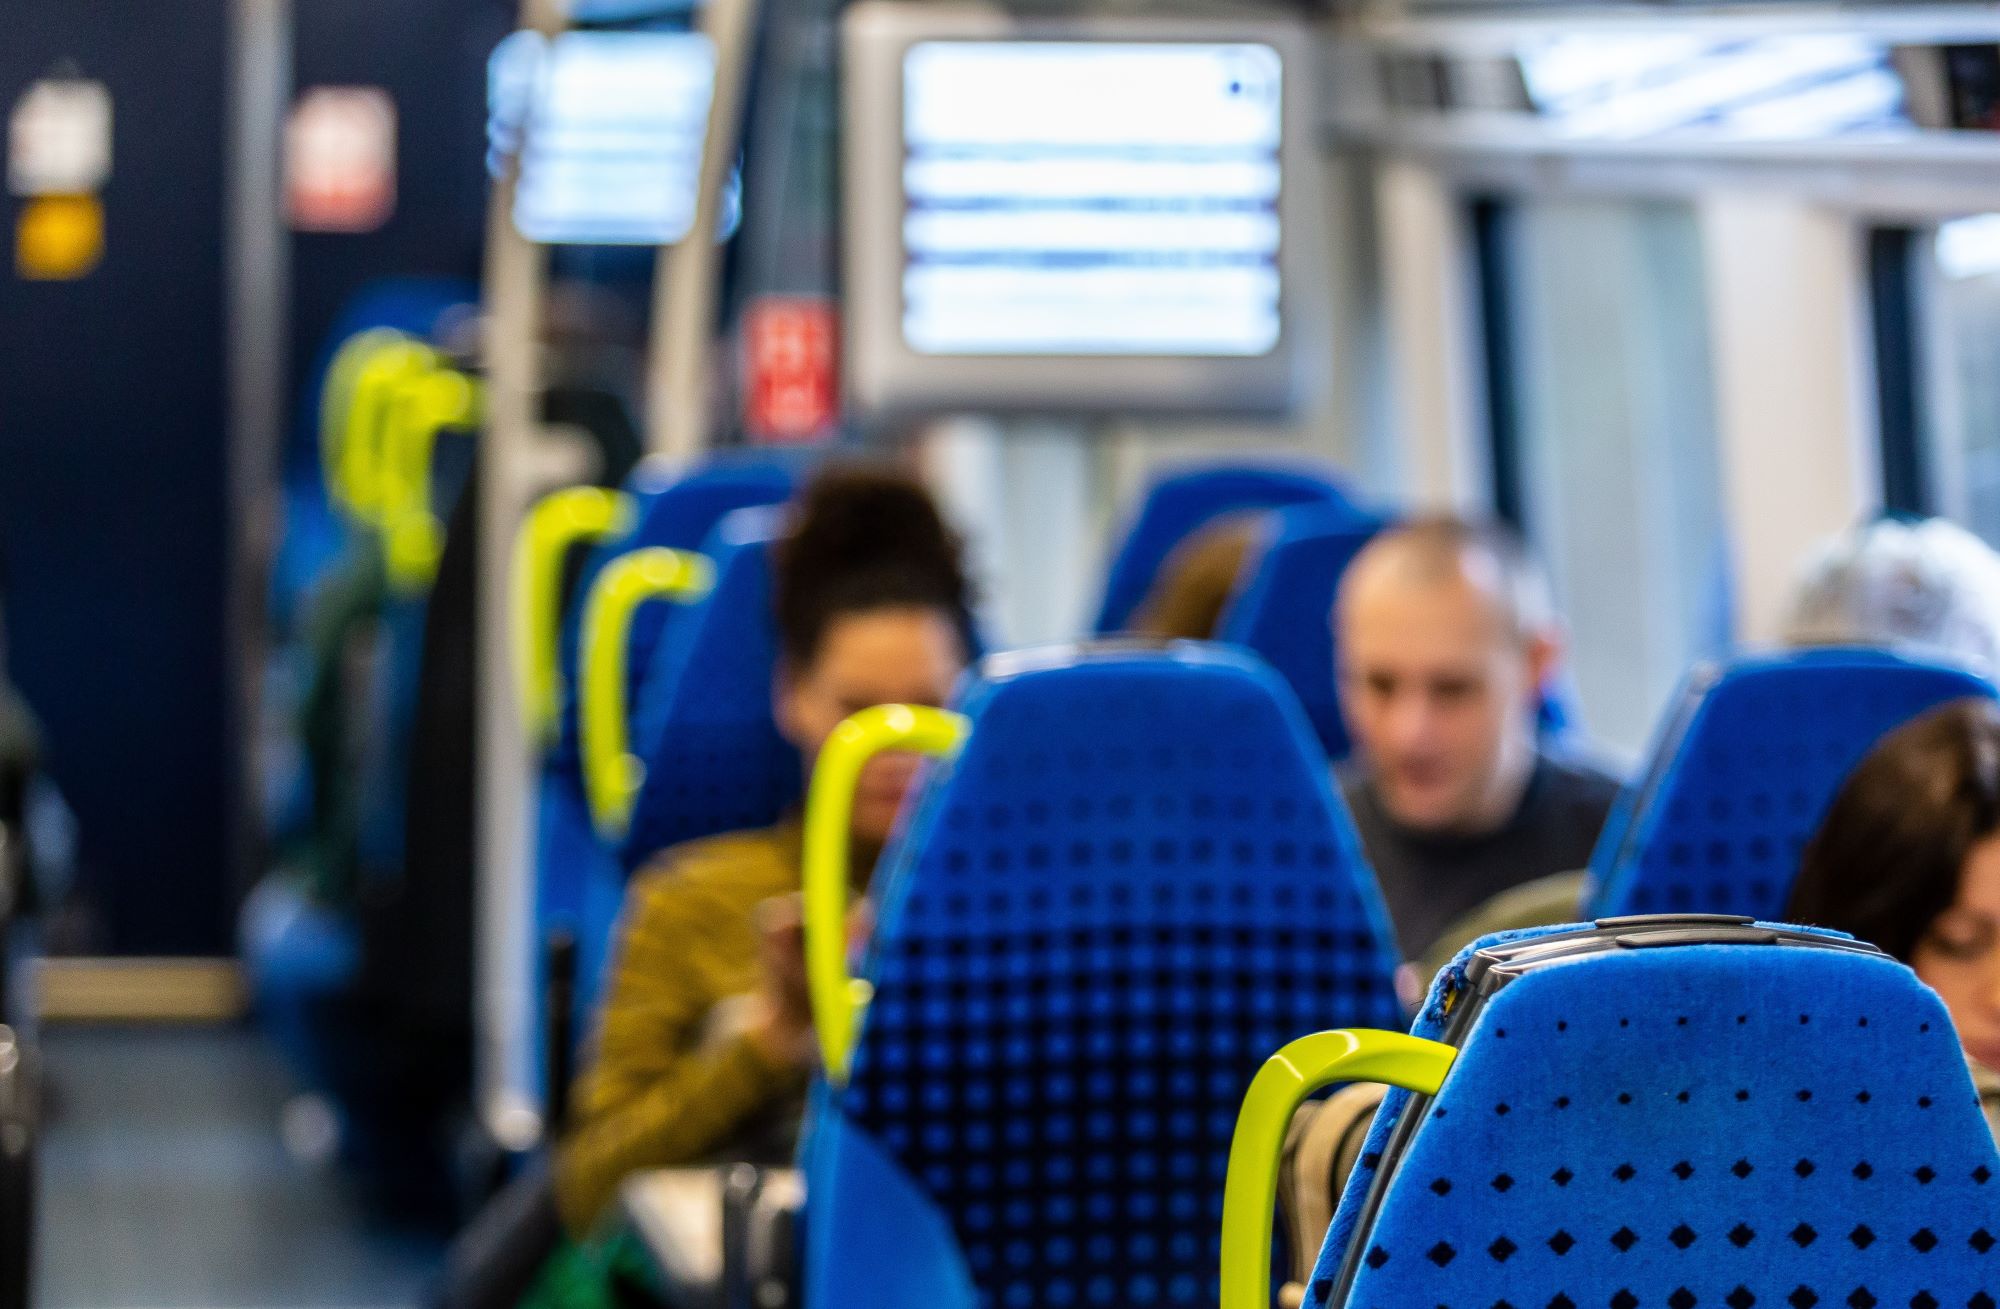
{"x": 1929, "y": 586}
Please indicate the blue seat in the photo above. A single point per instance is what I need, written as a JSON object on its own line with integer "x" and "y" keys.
{"x": 575, "y": 869}
{"x": 1181, "y": 504}
{"x": 1131, "y": 885}
{"x": 1721, "y": 1125}
{"x": 1284, "y": 613}
{"x": 1742, "y": 772}
{"x": 703, "y": 727}
{"x": 314, "y": 535}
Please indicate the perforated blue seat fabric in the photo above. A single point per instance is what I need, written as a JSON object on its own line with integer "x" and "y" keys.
{"x": 1744, "y": 768}
{"x": 1180, "y": 504}
{"x": 676, "y": 513}
{"x": 1132, "y": 884}
{"x": 1706, "y": 1125}
{"x": 1284, "y": 613}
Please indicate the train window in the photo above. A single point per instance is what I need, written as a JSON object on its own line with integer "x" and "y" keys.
{"x": 1937, "y": 325}
{"x": 1604, "y": 431}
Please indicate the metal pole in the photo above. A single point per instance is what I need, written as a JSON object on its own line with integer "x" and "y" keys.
{"x": 685, "y": 290}
{"x": 259, "y": 300}
{"x": 515, "y": 285}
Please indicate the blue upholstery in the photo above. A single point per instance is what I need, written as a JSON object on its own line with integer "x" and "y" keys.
{"x": 703, "y": 726}
{"x": 574, "y": 868}
{"x": 1718, "y": 1125}
{"x": 1132, "y": 885}
{"x": 1743, "y": 771}
{"x": 714, "y": 759}
{"x": 1284, "y": 613}
{"x": 313, "y": 533}
{"x": 1179, "y": 505}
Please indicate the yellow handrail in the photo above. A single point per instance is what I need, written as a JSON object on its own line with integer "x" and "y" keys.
{"x": 424, "y": 406}
{"x": 338, "y": 396}
{"x": 1250, "y": 1193}
{"x": 837, "y": 999}
{"x": 558, "y": 523}
{"x": 611, "y": 774}
{"x": 357, "y": 462}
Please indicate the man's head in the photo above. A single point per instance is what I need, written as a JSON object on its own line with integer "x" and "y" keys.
{"x": 1447, "y": 634}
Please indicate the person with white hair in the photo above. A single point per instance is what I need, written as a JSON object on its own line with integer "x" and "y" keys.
{"x": 1926, "y": 585}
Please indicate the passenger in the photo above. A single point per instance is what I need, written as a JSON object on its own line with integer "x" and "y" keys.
{"x": 1199, "y": 577}
{"x": 1928, "y": 585}
{"x": 706, "y": 1037}
{"x": 1447, "y": 637}
{"x": 1908, "y": 859}
{"x": 705, "y": 1041}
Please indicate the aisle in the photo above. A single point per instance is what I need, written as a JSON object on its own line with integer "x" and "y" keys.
{"x": 164, "y": 1186}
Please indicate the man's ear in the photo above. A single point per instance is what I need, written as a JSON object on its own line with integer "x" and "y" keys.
{"x": 1546, "y": 651}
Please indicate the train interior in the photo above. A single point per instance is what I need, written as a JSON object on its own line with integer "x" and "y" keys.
{"x": 1421, "y": 579}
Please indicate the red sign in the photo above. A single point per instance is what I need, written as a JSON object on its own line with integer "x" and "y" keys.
{"x": 791, "y": 363}
{"x": 340, "y": 159}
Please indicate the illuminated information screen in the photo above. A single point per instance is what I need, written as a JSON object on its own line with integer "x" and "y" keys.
{"x": 612, "y": 151}
{"x": 1091, "y": 198}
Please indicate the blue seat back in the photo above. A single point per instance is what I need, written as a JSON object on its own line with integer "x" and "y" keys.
{"x": 1284, "y": 613}
{"x": 704, "y": 728}
{"x": 579, "y": 882}
{"x": 1181, "y": 504}
{"x": 1712, "y": 1125}
{"x": 314, "y": 535}
{"x": 1744, "y": 768}
{"x": 677, "y": 513}
{"x": 1132, "y": 884}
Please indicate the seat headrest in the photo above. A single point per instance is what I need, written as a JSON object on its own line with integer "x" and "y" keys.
{"x": 1743, "y": 772}
{"x": 703, "y": 725}
{"x": 1717, "y": 1125}
{"x": 1284, "y": 612}
{"x": 1181, "y": 503}
{"x": 677, "y": 514}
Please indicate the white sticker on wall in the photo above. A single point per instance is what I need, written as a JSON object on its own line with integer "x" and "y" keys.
{"x": 59, "y": 138}
{"x": 340, "y": 159}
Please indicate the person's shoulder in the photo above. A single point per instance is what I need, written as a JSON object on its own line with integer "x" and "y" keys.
{"x": 1577, "y": 779}
{"x": 731, "y": 867}
{"x": 1351, "y": 780}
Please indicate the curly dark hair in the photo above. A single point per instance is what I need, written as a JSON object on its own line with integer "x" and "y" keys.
{"x": 864, "y": 537}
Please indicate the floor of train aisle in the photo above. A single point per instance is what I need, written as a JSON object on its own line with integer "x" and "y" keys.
{"x": 165, "y": 1185}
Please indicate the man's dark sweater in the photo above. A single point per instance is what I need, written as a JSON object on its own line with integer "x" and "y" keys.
{"x": 1429, "y": 881}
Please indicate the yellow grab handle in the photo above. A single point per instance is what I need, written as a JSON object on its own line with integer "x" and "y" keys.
{"x": 424, "y": 406}
{"x": 837, "y": 998}
{"x": 1250, "y": 1193}
{"x": 356, "y": 481}
{"x": 337, "y": 397}
{"x": 611, "y": 775}
{"x": 558, "y": 523}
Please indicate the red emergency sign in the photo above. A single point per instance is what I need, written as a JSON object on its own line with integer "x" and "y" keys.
{"x": 791, "y": 362}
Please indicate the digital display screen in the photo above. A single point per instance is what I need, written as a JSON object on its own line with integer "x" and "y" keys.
{"x": 611, "y": 152}
{"x": 1091, "y": 198}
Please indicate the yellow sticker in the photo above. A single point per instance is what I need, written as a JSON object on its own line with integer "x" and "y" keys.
{"x": 59, "y": 238}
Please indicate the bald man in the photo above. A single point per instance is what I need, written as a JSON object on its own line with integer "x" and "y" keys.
{"x": 1447, "y": 636}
